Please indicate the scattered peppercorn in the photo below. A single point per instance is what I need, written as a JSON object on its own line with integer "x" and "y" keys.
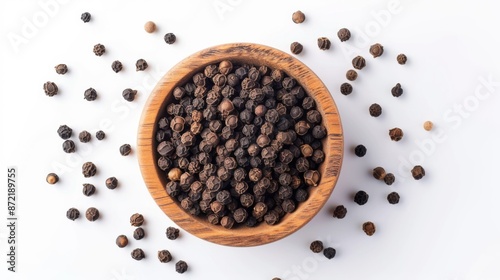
{"x": 296, "y": 47}
{"x": 64, "y": 131}
{"x": 360, "y": 150}
{"x": 379, "y": 173}
{"x": 389, "y": 179}
{"x": 428, "y": 125}
{"x": 397, "y": 91}
{"x": 92, "y": 214}
{"x": 164, "y": 256}
{"x": 344, "y": 34}
{"x": 69, "y": 146}
{"x": 121, "y": 241}
{"x": 111, "y": 183}
{"x": 89, "y": 169}
{"x": 117, "y": 66}
{"x": 396, "y": 134}
{"x": 376, "y": 50}
{"x": 401, "y": 58}
{"x": 86, "y": 17}
{"x": 100, "y": 135}
{"x": 172, "y": 233}
{"x": 358, "y": 62}
{"x": 329, "y": 253}
{"x": 339, "y": 212}
{"x": 52, "y": 178}
{"x": 129, "y": 94}
{"x": 351, "y": 75}
{"x": 181, "y": 266}
{"x": 369, "y": 228}
{"x": 316, "y": 246}
{"x": 418, "y": 172}
{"x": 375, "y": 110}
{"x": 346, "y": 88}
{"x": 141, "y": 65}
{"x": 324, "y": 43}
{"x": 84, "y": 136}
{"x": 139, "y": 233}
{"x": 393, "y": 198}
{"x": 50, "y": 89}
{"x": 72, "y": 214}
{"x": 88, "y": 189}
{"x": 61, "y": 69}
{"x": 99, "y": 49}
{"x": 138, "y": 254}
{"x": 136, "y": 220}
{"x": 150, "y": 27}
{"x": 361, "y": 197}
{"x": 298, "y": 17}
{"x": 125, "y": 149}
{"x": 90, "y": 94}
{"x": 170, "y": 38}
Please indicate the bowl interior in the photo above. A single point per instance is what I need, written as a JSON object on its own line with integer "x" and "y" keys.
{"x": 155, "y": 178}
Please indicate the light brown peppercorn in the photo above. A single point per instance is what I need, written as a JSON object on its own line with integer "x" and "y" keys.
{"x": 52, "y": 178}
{"x": 121, "y": 241}
{"x": 428, "y": 125}
{"x": 150, "y": 27}
{"x": 174, "y": 174}
{"x": 418, "y": 172}
{"x": 351, "y": 75}
{"x": 298, "y": 17}
{"x": 401, "y": 58}
{"x": 396, "y": 134}
{"x": 306, "y": 150}
{"x": 376, "y": 50}
{"x": 312, "y": 177}
{"x": 379, "y": 173}
{"x": 369, "y": 228}
{"x": 296, "y": 47}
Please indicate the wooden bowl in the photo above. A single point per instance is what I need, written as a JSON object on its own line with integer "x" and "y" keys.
{"x": 155, "y": 179}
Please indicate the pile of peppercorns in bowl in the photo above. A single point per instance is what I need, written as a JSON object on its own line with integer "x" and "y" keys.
{"x": 240, "y": 144}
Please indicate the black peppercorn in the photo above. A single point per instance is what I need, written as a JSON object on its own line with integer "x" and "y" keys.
{"x": 418, "y": 172}
{"x": 376, "y": 50}
{"x": 360, "y": 151}
{"x": 170, "y": 38}
{"x": 351, "y": 75}
{"x": 375, "y": 110}
{"x": 141, "y": 65}
{"x": 389, "y": 179}
{"x": 88, "y": 169}
{"x": 117, "y": 66}
{"x": 84, "y": 136}
{"x": 172, "y": 233}
{"x": 100, "y": 135}
{"x": 139, "y": 233}
{"x": 164, "y": 256}
{"x": 316, "y": 246}
{"x": 339, "y": 212}
{"x": 69, "y": 146}
{"x": 129, "y": 94}
{"x": 136, "y": 220}
{"x": 346, "y": 88}
{"x": 99, "y": 49}
{"x": 88, "y": 189}
{"x": 92, "y": 214}
{"x": 90, "y": 94}
{"x": 397, "y": 91}
{"x": 344, "y": 34}
{"x": 329, "y": 253}
{"x": 181, "y": 266}
{"x": 125, "y": 149}
{"x": 361, "y": 197}
{"x": 137, "y": 254}
{"x": 86, "y": 17}
{"x": 396, "y": 134}
{"x": 121, "y": 241}
{"x": 401, "y": 58}
{"x": 358, "y": 62}
{"x": 111, "y": 183}
{"x": 61, "y": 69}
{"x": 324, "y": 43}
{"x": 393, "y": 198}
{"x": 50, "y": 89}
{"x": 72, "y": 214}
{"x": 64, "y": 131}
{"x": 296, "y": 48}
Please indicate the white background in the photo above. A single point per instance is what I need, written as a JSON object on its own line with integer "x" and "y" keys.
{"x": 445, "y": 226}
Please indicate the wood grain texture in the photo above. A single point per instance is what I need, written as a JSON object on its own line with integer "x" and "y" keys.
{"x": 253, "y": 54}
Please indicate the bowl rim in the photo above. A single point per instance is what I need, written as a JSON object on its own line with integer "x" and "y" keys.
{"x": 255, "y": 54}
